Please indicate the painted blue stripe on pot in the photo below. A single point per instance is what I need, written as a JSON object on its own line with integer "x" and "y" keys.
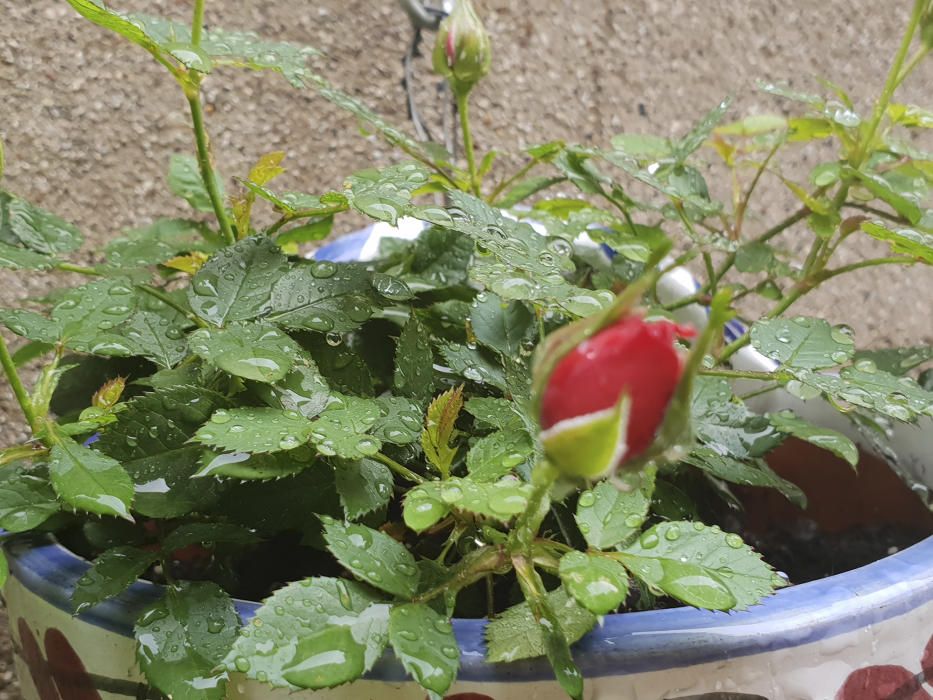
{"x": 625, "y": 643}
{"x": 346, "y": 248}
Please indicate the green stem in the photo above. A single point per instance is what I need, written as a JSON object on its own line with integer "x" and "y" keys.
{"x": 463, "y": 109}
{"x": 737, "y": 374}
{"x": 526, "y": 526}
{"x": 873, "y": 262}
{"x": 168, "y": 301}
{"x": 19, "y": 391}
{"x": 473, "y": 567}
{"x": 80, "y": 269}
{"x": 913, "y": 63}
{"x": 505, "y": 184}
{"x": 204, "y": 161}
{"x": 197, "y": 22}
{"x": 890, "y": 85}
{"x": 402, "y": 471}
{"x": 303, "y": 214}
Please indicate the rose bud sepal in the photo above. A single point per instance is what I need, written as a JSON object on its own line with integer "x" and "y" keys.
{"x": 589, "y": 446}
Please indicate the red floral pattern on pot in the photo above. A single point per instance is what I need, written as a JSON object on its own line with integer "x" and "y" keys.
{"x": 60, "y": 674}
{"x": 890, "y": 682}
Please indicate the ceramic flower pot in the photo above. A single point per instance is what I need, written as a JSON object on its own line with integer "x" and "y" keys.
{"x": 860, "y": 635}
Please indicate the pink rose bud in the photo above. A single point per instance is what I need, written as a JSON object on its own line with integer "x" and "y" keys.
{"x": 462, "y": 52}
{"x": 605, "y": 399}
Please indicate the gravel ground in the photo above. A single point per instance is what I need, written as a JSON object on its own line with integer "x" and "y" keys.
{"x": 89, "y": 122}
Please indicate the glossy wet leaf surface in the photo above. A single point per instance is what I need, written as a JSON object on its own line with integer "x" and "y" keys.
{"x": 89, "y": 480}
{"x": 608, "y": 515}
{"x": 424, "y": 642}
{"x": 907, "y": 241}
{"x": 515, "y": 634}
{"x": 597, "y": 583}
{"x": 112, "y": 572}
{"x": 255, "y": 430}
{"x": 255, "y": 467}
{"x": 500, "y": 500}
{"x": 343, "y": 429}
{"x": 373, "y": 557}
{"x": 827, "y": 439}
{"x": 182, "y": 639}
{"x": 414, "y": 359}
{"x": 364, "y": 485}
{"x": 257, "y": 351}
{"x": 722, "y": 420}
{"x": 809, "y": 343}
{"x": 38, "y": 230}
{"x": 746, "y": 472}
{"x": 701, "y": 566}
{"x": 26, "y": 500}
{"x": 496, "y": 455}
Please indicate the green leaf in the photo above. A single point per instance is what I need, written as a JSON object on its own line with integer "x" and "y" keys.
{"x": 364, "y": 485}
{"x": 643, "y": 147}
{"x": 439, "y": 429}
{"x": 724, "y": 422}
{"x": 607, "y": 515}
{"x": 902, "y": 202}
{"x": 493, "y": 456}
{"x": 473, "y": 364}
{"x": 255, "y": 430}
{"x": 372, "y": 556}
{"x": 4, "y": 568}
{"x": 424, "y": 642}
{"x": 40, "y": 231}
{"x": 438, "y": 258}
{"x": 500, "y": 414}
{"x": 26, "y": 501}
{"x": 302, "y": 610}
{"x": 835, "y": 442}
{"x": 257, "y": 351}
{"x": 15, "y": 258}
{"x": 501, "y": 500}
{"x": 516, "y": 634}
{"x": 501, "y": 326}
{"x": 184, "y": 180}
{"x": 865, "y": 385}
{"x": 385, "y": 194}
{"x": 803, "y": 342}
{"x": 207, "y": 534}
{"x": 164, "y": 483}
{"x": 89, "y": 480}
{"x": 525, "y": 189}
{"x": 896, "y": 361}
{"x": 303, "y": 389}
{"x": 400, "y": 422}
{"x": 159, "y": 337}
{"x": 910, "y": 115}
{"x": 343, "y": 428}
{"x": 158, "y": 242}
{"x": 182, "y": 639}
{"x": 700, "y": 566}
{"x": 236, "y": 283}
{"x": 323, "y": 296}
{"x": 414, "y": 361}
{"x": 597, "y": 583}
{"x": 256, "y": 467}
{"x": 754, "y": 256}
{"x": 916, "y": 244}
{"x": 699, "y": 133}
{"x": 112, "y": 573}
{"x": 751, "y": 472}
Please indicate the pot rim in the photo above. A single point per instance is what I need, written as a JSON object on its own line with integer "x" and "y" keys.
{"x": 631, "y": 642}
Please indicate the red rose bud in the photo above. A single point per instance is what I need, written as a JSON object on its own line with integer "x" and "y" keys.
{"x": 462, "y": 52}
{"x": 606, "y": 398}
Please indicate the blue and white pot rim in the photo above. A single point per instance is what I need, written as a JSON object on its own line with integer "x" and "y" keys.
{"x": 631, "y": 642}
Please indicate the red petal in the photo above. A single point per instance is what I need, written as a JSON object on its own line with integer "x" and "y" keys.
{"x": 633, "y": 357}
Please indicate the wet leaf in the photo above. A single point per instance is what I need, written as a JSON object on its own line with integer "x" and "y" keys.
{"x": 473, "y": 364}
{"x": 323, "y": 296}
{"x": 373, "y": 557}
{"x": 16, "y": 258}
{"x": 26, "y": 500}
{"x": 439, "y": 429}
{"x": 809, "y": 343}
{"x": 835, "y": 442}
{"x": 112, "y": 573}
{"x": 364, "y": 485}
{"x": 255, "y": 430}
{"x": 400, "y": 422}
{"x": 89, "y": 480}
{"x": 414, "y": 360}
{"x": 40, "y": 231}
{"x": 236, "y": 283}
{"x": 597, "y": 583}
{"x": 501, "y": 500}
{"x": 257, "y": 351}
{"x": 255, "y": 467}
{"x": 424, "y": 642}
{"x": 182, "y": 639}
{"x": 516, "y": 634}
{"x": 916, "y": 244}
{"x": 700, "y": 566}
{"x": 299, "y": 611}
{"x": 747, "y": 472}
{"x": 385, "y": 194}
{"x": 501, "y": 326}
{"x": 157, "y": 243}
{"x": 904, "y": 203}
{"x": 608, "y": 515}
{"x": 525, "y": 189}
{"x": 207, "y": 534}
{"x": 303, "y": 390}
{"x": 897, "y": 361}
{"x": 344, "y": 428}
{"x": 493, "y": 456}
{"x": 724, "y": 422}
{"x": 501, "y": 414}
{"x": 184, "y": 180}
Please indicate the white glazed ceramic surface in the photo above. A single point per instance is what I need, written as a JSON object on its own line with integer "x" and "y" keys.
{"x": 862, "y": 635}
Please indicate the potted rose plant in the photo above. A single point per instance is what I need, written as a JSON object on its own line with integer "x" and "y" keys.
{"x": 485, "y": 441}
